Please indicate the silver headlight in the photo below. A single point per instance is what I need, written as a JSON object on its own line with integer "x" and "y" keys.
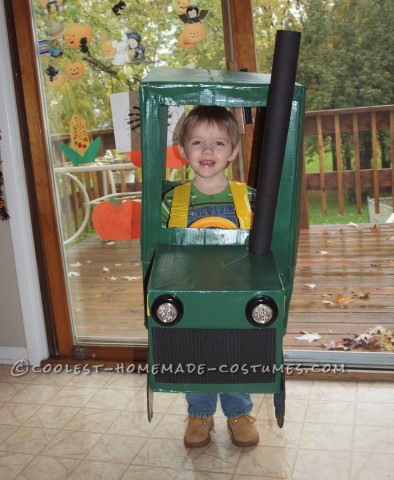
{"x": 261, "y": 311}
{"x": 167, "y": 310}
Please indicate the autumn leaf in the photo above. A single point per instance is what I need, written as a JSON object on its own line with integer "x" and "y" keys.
{"x": 322, "y": 252}
{"x": 73, "y": 274}
{"x": 375, "y": 229}
{"x": 341, "y": 299}
{"x": 310, "y": 285}
{"x": 363, "y": 295}
{"x": 311, "y": 337}
{"x": 327, "y": 302}
{"x": 388, "y": 344}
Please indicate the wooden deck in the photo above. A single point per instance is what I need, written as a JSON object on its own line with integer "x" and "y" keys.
{"x": 344, "y": 285}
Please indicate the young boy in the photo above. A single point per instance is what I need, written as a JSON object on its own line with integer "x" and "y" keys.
{"x": 209, "y": 139}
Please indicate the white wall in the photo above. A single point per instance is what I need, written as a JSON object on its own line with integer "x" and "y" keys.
{"x": 22, "y": 330}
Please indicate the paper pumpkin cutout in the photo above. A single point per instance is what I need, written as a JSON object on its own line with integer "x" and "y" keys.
{"x": 192, "y": 34}
{"x": 107, "y": 48}
{"x": 173, "y": 158}
{"x": 181, "y": 5}
{"x": 135, "y": 158}
{"x": 75, "y": 32}
{"x": 114, "y": 221}
{"x": 80, "y": 150}
{"x": 74, "y": 70}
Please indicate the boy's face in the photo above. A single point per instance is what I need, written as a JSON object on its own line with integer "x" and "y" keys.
{"x": 208, "y": 149}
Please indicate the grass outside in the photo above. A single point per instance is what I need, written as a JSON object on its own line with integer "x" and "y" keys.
{"x": 315, "y": 205}
{"x": 333, "y": 217}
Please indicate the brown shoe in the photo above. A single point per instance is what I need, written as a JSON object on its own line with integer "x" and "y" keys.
{"x": 243, "y": 431}
{"x": 197, "y": 431}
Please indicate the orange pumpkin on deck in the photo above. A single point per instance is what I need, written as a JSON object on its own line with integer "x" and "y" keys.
{"x": 113, "y": 221}
{"x": 74, "y": 70}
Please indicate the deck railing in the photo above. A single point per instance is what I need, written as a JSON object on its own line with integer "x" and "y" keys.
{"x": 359, "y": 143}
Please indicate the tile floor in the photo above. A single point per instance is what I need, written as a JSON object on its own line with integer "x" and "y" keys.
{"x": 92, "y": 427}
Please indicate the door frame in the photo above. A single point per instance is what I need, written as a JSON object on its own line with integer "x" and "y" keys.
{"x": 37, "y": 164}
{"x": 20, "y": 227}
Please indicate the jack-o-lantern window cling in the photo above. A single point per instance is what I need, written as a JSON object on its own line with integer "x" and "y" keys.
{"x": 74, "y": 70}
{"x": 75, "y": 32}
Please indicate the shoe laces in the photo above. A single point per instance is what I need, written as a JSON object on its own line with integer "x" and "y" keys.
{"x": 201, "y": 421}
{"x": 247, "y": 416}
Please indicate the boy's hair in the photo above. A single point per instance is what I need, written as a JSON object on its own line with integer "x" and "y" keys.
{"x": 220, "y": 116}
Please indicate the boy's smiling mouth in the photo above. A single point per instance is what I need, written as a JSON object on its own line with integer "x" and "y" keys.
{"x": 207, "y": 163}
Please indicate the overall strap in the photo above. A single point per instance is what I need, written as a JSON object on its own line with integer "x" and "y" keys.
{"x": 239, "y": 192}
{"x": 180, "y": 206}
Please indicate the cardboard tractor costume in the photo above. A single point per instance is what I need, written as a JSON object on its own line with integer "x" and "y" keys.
{"x": 217, "y": 300}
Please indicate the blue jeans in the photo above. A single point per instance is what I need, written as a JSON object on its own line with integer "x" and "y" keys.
{"x": 233, "y": 404}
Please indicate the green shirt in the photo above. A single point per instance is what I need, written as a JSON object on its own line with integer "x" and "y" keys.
{"x": 199, "y": 199}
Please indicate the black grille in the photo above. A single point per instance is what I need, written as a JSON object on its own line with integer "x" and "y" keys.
{"x": 213, "y": 356}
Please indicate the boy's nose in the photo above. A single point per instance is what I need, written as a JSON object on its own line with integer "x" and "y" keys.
{"x": 208, "y": 149}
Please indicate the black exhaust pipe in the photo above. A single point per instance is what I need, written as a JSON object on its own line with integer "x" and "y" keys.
{"x": 276, "y": 126}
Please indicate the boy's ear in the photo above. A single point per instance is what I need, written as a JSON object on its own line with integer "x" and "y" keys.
{"x": 234, "y": 154}
{"x": 182, "y": 151}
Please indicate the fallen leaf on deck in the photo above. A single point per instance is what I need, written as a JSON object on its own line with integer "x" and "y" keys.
{"x": 327, "y": 302}
{"x": 98, "y": 295}
{"x": 342, "y": 299}
{"x": 389, "y": 344}
{"x": 88, "y": 261}
{"x": 126, "y": 277}
{"x": 351, "y": 224}
{"x": 322, "y": 252}
{"x": 73, "y": 274}
{"x": 311, "y": 337}
{"x": 375, "y": 229}
{"x": 112, "y": 278}
{"x": 110, "y": 243}
{"x": 118, "y": 264}
{"x": 105, "y": 269}
{"x": 363, "y": 295}
{"x": 76, "y": 264}
{"x": 310, "y": 285}
{"x": 375, "y": 338}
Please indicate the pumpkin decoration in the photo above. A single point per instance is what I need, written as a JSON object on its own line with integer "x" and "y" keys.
{"x": 75, "y": 32}
{"x": 107, "y": 48}
{"x": 74, "y": 70}
{"x": 117, "y": 221}
{"x": 173, "y": 158}
{"x": 181, "y": 6}
{"x": 192, "y": 34}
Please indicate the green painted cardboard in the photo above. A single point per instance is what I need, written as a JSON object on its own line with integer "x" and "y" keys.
{"x": 181, "y": 261}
